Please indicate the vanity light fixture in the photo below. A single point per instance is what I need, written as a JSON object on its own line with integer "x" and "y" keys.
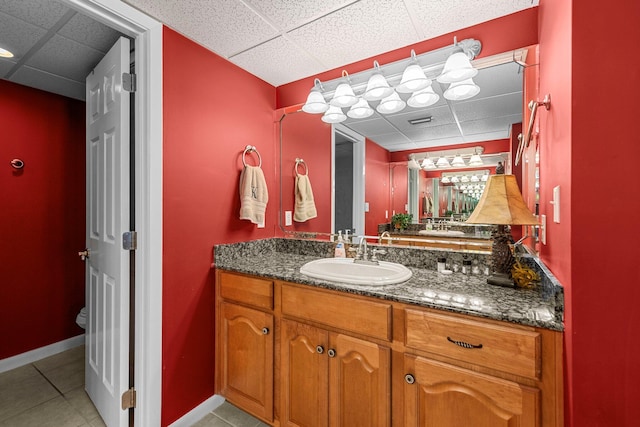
{"x": 457, "y": 68}
{"x": 391, "y": 104}
{"x": 334, "y": 115}
{"x": 455, "y": 179}
{"x": 464, "y": 178}
{"x": 443, "y": 162}
{"x": 360, "y": 109}
{"x": 377, "y": 85}
{"x": 475, "y": 160}
{"x": 316, "y": 103}
{"x": 474, "y": 178}
{"x": 427, "y": 163}
{"x": 457, "y": 161}
{"x": 413, "y": 77}
{"x": 410, "y": 77}
{"x": 461, "y": 90}
{"x": 445, "y": 180}
{"x": 413, "y": 163}
{"x": 344, "y": 96}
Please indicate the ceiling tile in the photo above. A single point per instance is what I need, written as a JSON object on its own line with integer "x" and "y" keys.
{"x": 18, "y": 36}
{"x": 43, "y": 13}
{"x": 437, "y": 17}
{"x": 90, "y": 33}
{"x": 5, "y": 66}
{"x": 360, "y": 31}
{"x": 266, "y": 61}
{"x": 287, "y": 15}
{"x": 225, "y": 26}
{"x": 48, "y": 82}
{"x": 58, "y": 56}
{"x": 496, "y": 106}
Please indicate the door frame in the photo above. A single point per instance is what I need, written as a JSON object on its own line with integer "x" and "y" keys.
{"x": 147, "y": 35}
{"x": 358, "y": 177}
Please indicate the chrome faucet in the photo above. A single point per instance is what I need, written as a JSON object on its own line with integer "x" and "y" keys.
{"x": 362, "y": 249}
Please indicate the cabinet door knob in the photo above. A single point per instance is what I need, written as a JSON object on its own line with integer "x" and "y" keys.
{"x": 331, "y": 353}
{"x": 265, "y": 331}
{"x": 409, "y": 379}
{"x": 320, "y": 349}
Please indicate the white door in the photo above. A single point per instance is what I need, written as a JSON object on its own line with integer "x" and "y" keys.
{"x": 107, "y": 271}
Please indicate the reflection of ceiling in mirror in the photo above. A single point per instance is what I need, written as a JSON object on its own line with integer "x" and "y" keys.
{"x": 487, "y": 116}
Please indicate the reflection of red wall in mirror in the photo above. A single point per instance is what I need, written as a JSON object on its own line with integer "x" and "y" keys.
{"x": 377, "y": 191}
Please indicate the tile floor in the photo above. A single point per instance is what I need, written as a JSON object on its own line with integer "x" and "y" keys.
{"x": 50, "y": 393}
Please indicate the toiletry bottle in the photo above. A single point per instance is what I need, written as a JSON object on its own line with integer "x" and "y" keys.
{"x": 442, "y": 264}
{"x": 340, "y": 252}
{"x": 466, "y": 266}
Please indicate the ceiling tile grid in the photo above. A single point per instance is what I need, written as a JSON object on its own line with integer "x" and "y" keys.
{"x": 19, "y": 36}
{"x": 287, "y": 15}
{"x": 42, "y": 13}
{"x": 31, "y": 77}
{"x": 84, "y": 30}
{"x": 362, "y": 30}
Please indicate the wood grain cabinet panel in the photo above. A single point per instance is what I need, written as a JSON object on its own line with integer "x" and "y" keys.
{"x": 441, "y": 395}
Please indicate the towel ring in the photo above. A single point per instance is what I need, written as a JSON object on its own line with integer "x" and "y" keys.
{"x": 249, "y": 149}
{"x": 298, "y": 163}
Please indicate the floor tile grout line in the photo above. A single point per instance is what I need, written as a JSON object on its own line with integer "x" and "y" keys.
{"x": 48, "y": 380}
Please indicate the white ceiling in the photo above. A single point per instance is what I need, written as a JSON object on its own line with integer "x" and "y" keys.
{"x": 56, "y": 47}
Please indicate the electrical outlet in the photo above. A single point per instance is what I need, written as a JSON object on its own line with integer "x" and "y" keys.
{"x": 287, "y": 218}
{"x": 386, "y": 214}
{"x": 543, "y": 229}
{"x": 556, "y": 204}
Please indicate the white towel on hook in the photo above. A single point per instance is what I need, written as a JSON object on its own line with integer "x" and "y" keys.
{"x": 305, "y": 206}
{"x": 253, "y": 194}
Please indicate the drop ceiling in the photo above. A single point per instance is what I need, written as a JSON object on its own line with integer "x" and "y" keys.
{"x": 56, "y": 47}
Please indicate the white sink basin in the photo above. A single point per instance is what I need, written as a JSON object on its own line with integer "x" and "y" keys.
{"x": 450, "y": 233}
{"x": 345, "y": 270}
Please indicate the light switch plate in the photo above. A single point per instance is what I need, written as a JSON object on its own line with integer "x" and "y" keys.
{"x": 543, "y": 229}
{"x": 366, "y": 206}
{"x": 287, "y": 218}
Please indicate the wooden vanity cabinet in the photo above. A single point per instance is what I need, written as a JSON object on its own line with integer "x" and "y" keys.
{"x": 331, "y": 378}
{"x": 245, "y": 343}
{"x": 346, "y": 360}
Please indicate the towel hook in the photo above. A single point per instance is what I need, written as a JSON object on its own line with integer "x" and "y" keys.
{"x": 299, "y": 162}
{"x": 526, "y": 138}
{"x": 17, "y": 164}
{"x": 249, "y": 149}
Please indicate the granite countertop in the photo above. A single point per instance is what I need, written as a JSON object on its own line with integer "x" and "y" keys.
{"x": 281, "y": 259}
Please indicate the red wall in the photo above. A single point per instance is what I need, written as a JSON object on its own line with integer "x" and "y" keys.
{"x": 42, "y": 221}
{"x": 212, "y": 110}
{"x": 376, "y": 187}
{"x": 587, "y": 138}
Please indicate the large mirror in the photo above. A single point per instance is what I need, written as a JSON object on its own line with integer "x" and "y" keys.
{"x": 367, "y": 161}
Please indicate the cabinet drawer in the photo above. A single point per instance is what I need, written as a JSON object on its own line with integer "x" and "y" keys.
{"x": 248, "y": 290}
{"x": 498, "y": 347}
{"x": 340, "y": 311}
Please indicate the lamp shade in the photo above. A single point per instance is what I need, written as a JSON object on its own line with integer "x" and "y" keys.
{"x": 391, "y": 104}
{"x": 315, "y": 103}
{"x": 427, "y": 163}
{"x": 413, "y": 79}
{"x": 343, "y": 96}
{"x": 464, "y": 89}
{"x": 334, "y": 115}
{"x": 457, "y": 68}
{"x": 502, "y": 204}
{"x": 377, "y": 88}
{"x": 423, "y": 98}
{"x": 360, "y": 110}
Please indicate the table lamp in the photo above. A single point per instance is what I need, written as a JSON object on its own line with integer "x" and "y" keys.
{"x": 501, "y": 204}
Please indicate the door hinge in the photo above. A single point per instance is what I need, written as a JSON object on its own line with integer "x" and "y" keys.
{"x": 129, "y": 82}
{"x": 130, "y": 241}
{"x": 129, "y": 399}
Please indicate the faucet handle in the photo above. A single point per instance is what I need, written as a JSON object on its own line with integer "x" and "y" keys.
{"x": 375, "y": 252}
{"x": 357, "y": 250}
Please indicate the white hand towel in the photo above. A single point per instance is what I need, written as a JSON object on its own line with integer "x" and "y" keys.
{"x": 253, "y": 194}
{"x": 305, "y": 207}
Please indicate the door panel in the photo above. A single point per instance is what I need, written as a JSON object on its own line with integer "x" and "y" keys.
{"x": 107, "y": 283}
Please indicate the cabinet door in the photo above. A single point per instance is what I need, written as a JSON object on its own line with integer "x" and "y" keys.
{"x": 305, "y": 369}
{"x": 441, "y": 395}
{"x": 246, "y": 358}
{"x": 359, "y": 383}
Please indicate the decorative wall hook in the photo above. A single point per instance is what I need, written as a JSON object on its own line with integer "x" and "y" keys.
{"x": 525, "y": 139}
{"x": 17, "y": 164}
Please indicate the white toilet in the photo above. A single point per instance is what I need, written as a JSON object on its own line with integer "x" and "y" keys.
{"x": 81, "y": 318}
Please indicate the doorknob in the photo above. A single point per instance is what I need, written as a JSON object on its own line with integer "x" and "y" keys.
{"x": 84, "y": 254}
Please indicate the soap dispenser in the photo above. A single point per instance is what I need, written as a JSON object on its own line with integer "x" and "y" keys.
{"x": 340, "y": 252}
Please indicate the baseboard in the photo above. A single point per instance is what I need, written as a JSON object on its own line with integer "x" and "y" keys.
{"x": 40, "y": 353}
{"x": 199, "y": 412}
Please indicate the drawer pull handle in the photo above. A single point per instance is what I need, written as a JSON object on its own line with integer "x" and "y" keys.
{"x": 464, "y": 344}
{"x": 409, "y": 379}
{"x": 331, "y": 353}
{"x": 320, "y": 349}
{"x": 265, "y": 331}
